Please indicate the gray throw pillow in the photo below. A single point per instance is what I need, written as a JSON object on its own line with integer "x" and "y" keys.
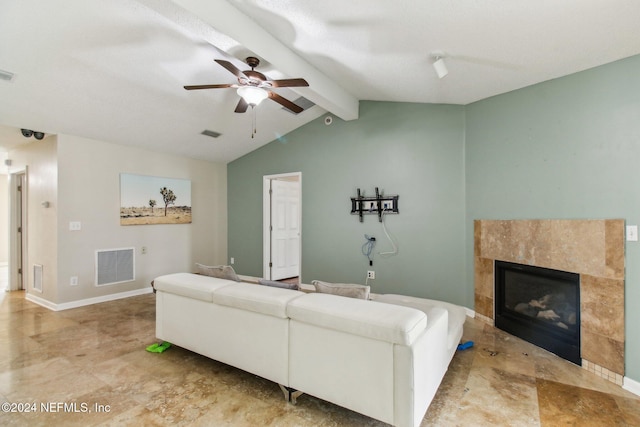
{"x": 275, "y": 284}
{"x": 343, "y": 289}
{"x": 219, "y": 271}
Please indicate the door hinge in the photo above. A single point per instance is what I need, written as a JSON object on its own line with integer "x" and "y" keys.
{"x": 19, "y": 271}
{"x": 19, "y": 229}
{"x": 270, "y": 264}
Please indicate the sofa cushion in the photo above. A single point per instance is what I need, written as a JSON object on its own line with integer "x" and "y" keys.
{"x": 219, "y": 271}
{"x": 385, "y": 322}
{"x": 457, "y": 314}
{"x": 190, "y": 285}
{"x": 256, "y": 298}
{"x": 343, "y": 289}
{"x": 276, "y": 284}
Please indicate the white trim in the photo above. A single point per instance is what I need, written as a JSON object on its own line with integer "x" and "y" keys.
{"x": 470, "y": 313}
{"x": 40, "y": 301}
{"x": 88, "y": 301}
{"x": 631, "y": 385}
{"x": 266, "y": 245}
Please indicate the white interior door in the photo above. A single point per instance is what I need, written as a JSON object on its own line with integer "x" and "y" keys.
{"x": 18, "y": 231}
{"x": 285, "y": 232}
{"x": 20, "y": 237}
{"x": 282, "y": 226}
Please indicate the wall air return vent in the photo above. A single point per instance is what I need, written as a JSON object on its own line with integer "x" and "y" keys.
{"x": 114, "y": 266}
{"x": 37, "y": 277}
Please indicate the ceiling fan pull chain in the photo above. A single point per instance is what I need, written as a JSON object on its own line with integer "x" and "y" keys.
{"x": 253, "y": 111}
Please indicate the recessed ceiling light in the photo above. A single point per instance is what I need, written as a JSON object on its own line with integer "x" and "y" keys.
{"x": 6, "y": 75}
{"x": 211, "y": 133}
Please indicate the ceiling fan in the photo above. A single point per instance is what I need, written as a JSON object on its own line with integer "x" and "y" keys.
{"x": 253, "y": 86}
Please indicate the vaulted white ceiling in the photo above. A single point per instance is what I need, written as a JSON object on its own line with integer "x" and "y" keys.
{"x": 113, "y": 70}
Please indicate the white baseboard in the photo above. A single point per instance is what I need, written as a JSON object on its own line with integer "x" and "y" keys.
{"x": 88, "y": 301}
{"x": 631, "y": 385}
{"x": 470, "y": 313}
{"x": 40, "y": 301}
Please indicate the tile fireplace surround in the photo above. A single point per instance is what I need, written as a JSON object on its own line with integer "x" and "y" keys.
{"x": 592, "y": 248}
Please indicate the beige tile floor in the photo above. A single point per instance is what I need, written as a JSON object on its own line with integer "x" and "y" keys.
{"x": 94, "y": 358}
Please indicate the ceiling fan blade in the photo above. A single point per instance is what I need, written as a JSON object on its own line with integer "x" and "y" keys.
{"x": 230, "y": 67}
{"x": 285, "y": 102}
{"x": 242, "y": 106}
{"x": 220, "y": 86}
{"x": 289, "y": 83}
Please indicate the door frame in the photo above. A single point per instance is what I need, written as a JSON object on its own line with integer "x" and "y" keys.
{"x": 266, "y": 220}
{"x": 18, "y": 281}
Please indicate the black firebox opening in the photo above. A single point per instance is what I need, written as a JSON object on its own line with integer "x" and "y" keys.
{"x": 541, "y": 306}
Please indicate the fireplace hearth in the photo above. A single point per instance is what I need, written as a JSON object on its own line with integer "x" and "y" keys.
{"x": 539, "y": 305}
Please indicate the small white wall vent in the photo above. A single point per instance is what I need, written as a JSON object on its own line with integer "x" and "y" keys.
{"x": 37, "y": 277}
{"x": 114, "y": 266}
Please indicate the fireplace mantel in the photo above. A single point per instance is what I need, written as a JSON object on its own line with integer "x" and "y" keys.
{"x": 592, "y": 248}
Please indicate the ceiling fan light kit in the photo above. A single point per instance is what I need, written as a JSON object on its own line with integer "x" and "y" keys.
{"x": 252, "y": 95}
{"x": 254, "y": 87}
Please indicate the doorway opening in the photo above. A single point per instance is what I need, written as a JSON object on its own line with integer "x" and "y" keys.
{"x": 282, "y": 227}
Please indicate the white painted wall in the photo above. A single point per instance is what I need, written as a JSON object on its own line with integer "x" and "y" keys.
{"x": 4, "y": 216}
{"x": 40, "y": 158}
{"x": 80, "y": 178}
{"x": 89, "y": 192}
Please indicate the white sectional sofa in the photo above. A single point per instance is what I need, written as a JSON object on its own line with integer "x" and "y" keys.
{"x": 383, "y": 358}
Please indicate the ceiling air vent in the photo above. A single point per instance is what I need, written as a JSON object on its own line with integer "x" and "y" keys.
{"x": 5, "y": 75}
{"x": 211, "y": 133}
{"x": 301, "y": 102}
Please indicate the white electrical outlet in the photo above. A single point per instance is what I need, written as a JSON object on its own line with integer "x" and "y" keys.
{"x": 73, "y": 281}
{"x": 75, "y": 226}
{"x": 233, "y": 260}
{"x": 143, "y": 250}
{"x": 371, "y": 274}
{"x": 632, "y": 233}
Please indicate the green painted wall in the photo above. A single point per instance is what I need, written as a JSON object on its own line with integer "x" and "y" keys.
{"x": 413, "y": 150}
{"x": 567, "y": 148}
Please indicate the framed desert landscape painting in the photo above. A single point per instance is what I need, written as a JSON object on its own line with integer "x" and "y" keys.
{"x": 154, "y": 200}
